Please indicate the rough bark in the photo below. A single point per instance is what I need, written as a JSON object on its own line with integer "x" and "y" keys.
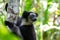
{"x": 12, "y": 10}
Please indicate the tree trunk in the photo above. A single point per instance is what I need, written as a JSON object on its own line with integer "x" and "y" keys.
{"x": 13, "y": 10}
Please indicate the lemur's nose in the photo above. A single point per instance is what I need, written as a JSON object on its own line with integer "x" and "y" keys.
{"x": 34, "y": 19}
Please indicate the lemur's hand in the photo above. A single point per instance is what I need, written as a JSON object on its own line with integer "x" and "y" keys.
{"x": 9, "y": 24}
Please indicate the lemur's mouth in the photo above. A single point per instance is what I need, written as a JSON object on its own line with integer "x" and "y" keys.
{"x": 34, "y": 19}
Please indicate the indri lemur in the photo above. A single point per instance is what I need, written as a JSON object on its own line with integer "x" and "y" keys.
{"x": 24, "y": 25}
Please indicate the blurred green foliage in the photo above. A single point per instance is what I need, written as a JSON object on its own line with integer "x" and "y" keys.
{"x": 45, "y": 21}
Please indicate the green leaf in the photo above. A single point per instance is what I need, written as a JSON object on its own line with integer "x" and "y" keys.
{"x": 28, "y": 4}
{"x": 45, "y": 16}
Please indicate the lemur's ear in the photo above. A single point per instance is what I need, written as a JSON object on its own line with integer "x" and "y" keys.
{"x": 25, "y": 14}
{"x": 36, "y": 14}
{"x": 6, "y": 6}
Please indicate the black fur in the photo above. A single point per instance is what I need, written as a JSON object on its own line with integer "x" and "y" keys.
{"x": 27, "y": 14}
{"x": 6, "y": 6}
{"x": 15, "y": 29}
{"x": 26, "y": 30}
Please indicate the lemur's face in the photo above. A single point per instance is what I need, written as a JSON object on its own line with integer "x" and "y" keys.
{"x": 30, "y": 16}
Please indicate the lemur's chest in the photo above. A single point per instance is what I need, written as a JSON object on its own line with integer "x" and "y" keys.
{"x": 24, "y": 22}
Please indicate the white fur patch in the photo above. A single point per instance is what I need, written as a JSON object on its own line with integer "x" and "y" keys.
{"x": 24, "y": 22}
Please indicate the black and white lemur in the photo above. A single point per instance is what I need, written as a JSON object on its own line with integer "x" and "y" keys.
{"x": 24, "y": 25}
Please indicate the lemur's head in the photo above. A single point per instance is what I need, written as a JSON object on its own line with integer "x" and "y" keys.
{"x": 29, "y": 16}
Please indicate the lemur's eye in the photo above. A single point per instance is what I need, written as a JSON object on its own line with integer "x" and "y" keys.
{"x": 32, "y": 15}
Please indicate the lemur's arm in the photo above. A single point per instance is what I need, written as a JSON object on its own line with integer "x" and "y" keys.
{"x": 15, "y": 29}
